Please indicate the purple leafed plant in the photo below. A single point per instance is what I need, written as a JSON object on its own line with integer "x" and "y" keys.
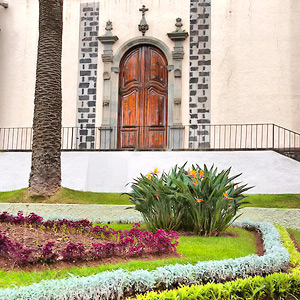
{"x": 121, "y": 243}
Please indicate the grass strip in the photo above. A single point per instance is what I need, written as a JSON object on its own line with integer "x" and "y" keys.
{"x": 274, "y": 286}
{"x": 192, "y": 249}
{"x": 69, "y": 196}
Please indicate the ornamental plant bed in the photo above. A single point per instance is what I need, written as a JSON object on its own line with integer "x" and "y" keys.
{"x": 28, "y": 241}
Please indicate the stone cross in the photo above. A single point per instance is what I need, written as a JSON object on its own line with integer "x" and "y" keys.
{"x": 143, "y": 26}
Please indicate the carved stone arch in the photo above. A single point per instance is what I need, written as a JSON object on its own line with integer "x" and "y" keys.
{"x": 174, "y": 117}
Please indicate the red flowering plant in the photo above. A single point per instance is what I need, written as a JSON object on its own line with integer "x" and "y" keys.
{"x": 199, "y": 200}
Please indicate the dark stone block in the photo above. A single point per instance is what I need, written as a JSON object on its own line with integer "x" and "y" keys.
{"x": 195, "y": 57}
{"x": 94, "y": 23}
{"x": 90, "y": 116}
{"x": 85, "y": 73}
{"x": 193, "y": 21}
{"x": 193, "y": 93}
{"x": 194, "y": 116}
{"x": 85, "y": 9}
{"x": 94, "y": 13}
{"x": 202, "y": 99}
{"x": 86, "y": 49}
{"x": 94, "y": 97}
{"x": 93, "y": 78}
{"x": 93, "y": 54}
{"x": 84, "y": 97}
{"x": 87, "y": 39}
{"x": 203, "y": 39}
{"x": 93, "y": 66}
{"x": 204, "y": 51}
{"x": 88, "y": 28}
{"x": 85, "y": 60}
{"x": 204, "y": 63}
{"x": 90, "y": 139}
{"x": 83, "y": 110}
{"x": 93, "y": 44}
{"x": 194, "y": 10}
{"x": 82, "y": 146}
{"x": 193, "y": 105}
{"x": 194, "y": 68}
{"x": 84, "y": 85}
{"x": 94, "y": 33}
{"x": 204, "y": 4}
{"x": 203, "y": 16}
{"x": 193, "y": 126}
{"x": 202, "y": 132}
{"x": 83, "y": 132}
{"x": 194, "y": 33}
{"x": 204, "y": 74}
{"x": 202, "y": 86}
{"x": 202, "y": 26}
{"x": 202, "y": 110}
{"x": 83, "y": 120}
{"x": 91, "y": 103}
{"x": 193, "y": 139}
{"x": 203, "y": 121}
{"x": 90, "y": 125}
{"x": 91, "y": 91}
{"x": 194, "y": 80}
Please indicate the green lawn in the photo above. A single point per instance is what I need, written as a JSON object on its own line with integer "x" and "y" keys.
{"x": 295, "y": 233}
{"x": 68, "y": 196}
{"x": 274, "y": 200}
{"x": 192, "y": 249}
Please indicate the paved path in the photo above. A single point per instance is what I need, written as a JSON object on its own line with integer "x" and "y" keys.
{"x": 286, "y": 217}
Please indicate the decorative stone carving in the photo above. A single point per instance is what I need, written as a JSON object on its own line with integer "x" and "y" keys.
{"x": 143, "y": 26}
{"x": 177, "y": 73}
{"x": 178, "y": 36}
{"x": 108, "y": 40}
{"x": 106, "y": 102}
{"x": 106, "y": 76}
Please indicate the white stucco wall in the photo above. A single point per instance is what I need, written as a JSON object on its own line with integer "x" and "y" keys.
{"x": 255, "y": 62}
{"x": 255, "y": 57}
{"x": 18, "y": 51}
{"x": 267, "y": 171}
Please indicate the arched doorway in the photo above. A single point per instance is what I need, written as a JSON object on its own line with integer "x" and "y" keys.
{"x": 143, "y": 99}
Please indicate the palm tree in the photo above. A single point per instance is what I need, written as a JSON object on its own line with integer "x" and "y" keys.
{"x": 45, "y": 176}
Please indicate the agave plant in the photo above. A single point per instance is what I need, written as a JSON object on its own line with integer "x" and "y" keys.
{"x": 199, "y": 200}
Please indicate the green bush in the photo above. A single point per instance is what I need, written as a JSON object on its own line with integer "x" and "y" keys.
{"x": 199, "y": 200}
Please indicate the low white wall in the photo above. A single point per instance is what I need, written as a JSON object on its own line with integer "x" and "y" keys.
{"x": 268, "y": 171}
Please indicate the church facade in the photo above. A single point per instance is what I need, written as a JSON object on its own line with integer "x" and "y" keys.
{"x": 156, "y": 74}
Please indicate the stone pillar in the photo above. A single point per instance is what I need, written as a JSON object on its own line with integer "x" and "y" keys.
{"x": 176, "y": 130}
{"x": 106, "y": 131}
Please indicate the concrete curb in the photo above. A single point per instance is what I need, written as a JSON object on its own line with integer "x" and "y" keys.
{"x": 286, "y": 217}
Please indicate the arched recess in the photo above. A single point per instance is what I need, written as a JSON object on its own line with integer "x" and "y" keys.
{"x": 143, "y": 99}
{"x": 110, "y": 103}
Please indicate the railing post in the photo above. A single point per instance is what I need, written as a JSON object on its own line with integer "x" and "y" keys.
{"x": 273, "y": 137}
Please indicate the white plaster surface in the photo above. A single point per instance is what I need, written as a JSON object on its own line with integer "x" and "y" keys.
{"x": 268, "y": 171}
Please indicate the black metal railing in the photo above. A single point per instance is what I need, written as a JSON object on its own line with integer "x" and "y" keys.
{"x": 197, "y": 137}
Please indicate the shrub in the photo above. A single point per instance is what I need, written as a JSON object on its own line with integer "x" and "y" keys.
{"x": 199, "y": 200}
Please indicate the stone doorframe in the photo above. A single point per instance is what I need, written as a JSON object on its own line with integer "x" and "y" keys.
{"x": 108, "y": 129}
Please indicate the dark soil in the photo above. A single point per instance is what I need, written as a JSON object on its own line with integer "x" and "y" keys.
{"x": 35, "y": 238}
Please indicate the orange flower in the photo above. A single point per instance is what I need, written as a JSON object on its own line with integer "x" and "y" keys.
{"x": 155, "y": 172}
{"x": 149, "y": 176}
{"x": 199, "y": 200}
{"x": 192, "y": 173}
{"x": 157, "y": 196}
{"x": 201, "y": 173}
{"x": 236, "y": 187}
{"x": 225, "y": 194}
{"x": 195, "y": 181}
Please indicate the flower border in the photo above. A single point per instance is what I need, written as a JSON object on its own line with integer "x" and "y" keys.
{"x": 116, "y": 284}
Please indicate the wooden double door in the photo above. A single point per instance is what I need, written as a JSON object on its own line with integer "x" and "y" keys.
{"x": 143, "y": 99}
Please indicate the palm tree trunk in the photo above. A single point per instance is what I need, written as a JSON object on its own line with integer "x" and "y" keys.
{"x": 45, "y": 176}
